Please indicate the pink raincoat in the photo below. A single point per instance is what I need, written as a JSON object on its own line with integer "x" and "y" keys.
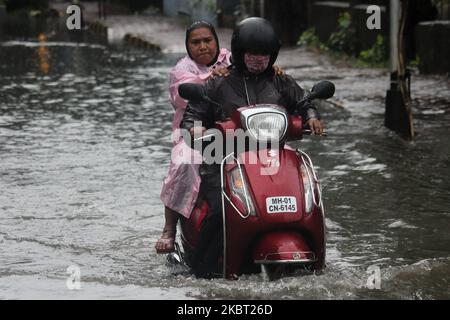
{"x": 182, "y": 184}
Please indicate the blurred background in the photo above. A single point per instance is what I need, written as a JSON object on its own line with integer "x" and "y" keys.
{"x": 426, "y": 30}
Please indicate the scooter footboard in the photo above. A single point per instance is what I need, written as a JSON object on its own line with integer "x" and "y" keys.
{"x": 283, "y": 247}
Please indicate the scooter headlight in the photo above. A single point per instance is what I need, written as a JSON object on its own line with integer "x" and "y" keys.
{"x": 267, "y": 126}
{"x": 265, "y": 123}
{"x": 239, "y": 188}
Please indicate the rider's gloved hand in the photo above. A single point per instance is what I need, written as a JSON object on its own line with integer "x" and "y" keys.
{"x": 315, "y": 125}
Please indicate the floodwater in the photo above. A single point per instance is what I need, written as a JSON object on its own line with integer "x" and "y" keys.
{"x": 85, "y": 145}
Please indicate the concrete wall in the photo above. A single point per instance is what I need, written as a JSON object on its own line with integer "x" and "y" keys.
{"x": 227, "y": 17}
{"x": 170, "y": 7}
{"x": 2, "y": 17}
{"x": 325, "y": 14}
{"x": 205, "y": 10}
{"x": 433, "y": 47}
{"x": 289, "y": 18}
{"x": 184, "y": 7}
{"x": 201, "y": 11}
{"x": 324, "y": 17}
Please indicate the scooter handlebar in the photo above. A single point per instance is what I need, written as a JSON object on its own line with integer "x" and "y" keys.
{"x": 206, "y": 136}
{"x": 311, "y": 133}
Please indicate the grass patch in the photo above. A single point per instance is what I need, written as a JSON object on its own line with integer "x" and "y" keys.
{"x": 342, "y": 45}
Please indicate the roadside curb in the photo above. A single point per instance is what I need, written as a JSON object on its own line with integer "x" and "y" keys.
{"x": 105, "y": 32}
{"x": 98, "y": 28}
{"x": 137, "y": 41}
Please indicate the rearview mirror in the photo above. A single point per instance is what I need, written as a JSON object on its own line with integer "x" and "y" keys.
{"x": 191, "y": 91}
{"x": 322, "y": 90}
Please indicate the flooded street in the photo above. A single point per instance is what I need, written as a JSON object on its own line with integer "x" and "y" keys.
{"x": 85, "y": 145}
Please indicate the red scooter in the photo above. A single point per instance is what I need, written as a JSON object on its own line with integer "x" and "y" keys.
{"x": 273, "y": 216}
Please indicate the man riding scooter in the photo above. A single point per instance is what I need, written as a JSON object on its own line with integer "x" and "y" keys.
{"x": 254, "y": 48}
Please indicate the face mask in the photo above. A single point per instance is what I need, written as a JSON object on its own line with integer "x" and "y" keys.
{"x": 256, "y": 63}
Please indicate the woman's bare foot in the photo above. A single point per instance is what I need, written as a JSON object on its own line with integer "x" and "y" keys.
{"x": 166, "y": 243}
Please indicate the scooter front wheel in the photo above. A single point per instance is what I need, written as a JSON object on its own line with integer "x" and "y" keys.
{"x": 274, "y": 271}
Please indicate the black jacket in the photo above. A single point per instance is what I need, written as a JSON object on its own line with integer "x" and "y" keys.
{"x": 230, "y": 93}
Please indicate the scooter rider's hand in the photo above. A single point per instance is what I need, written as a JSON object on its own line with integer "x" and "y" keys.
{"x": 278, "y": 70}
{"x": 220, "y": 72}
{"x": 316, "y": 126}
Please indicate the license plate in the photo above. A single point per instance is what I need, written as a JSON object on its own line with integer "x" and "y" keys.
{"x": 281, "y": 204}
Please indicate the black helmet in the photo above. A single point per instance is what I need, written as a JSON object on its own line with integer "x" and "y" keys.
{"x": 255, "y": 35}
